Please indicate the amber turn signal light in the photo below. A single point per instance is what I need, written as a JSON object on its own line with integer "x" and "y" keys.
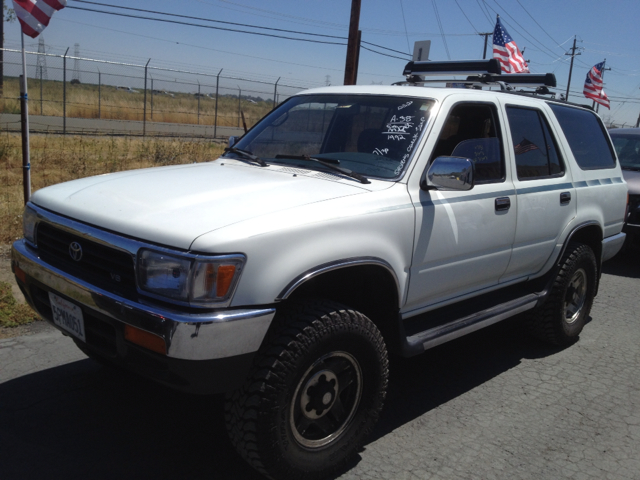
{"x": 20, "y": 274}
{"x": 145, "y": 339}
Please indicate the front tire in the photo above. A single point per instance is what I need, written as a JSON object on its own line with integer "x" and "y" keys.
{"x": 315, "y": 392}
{"x": 563, "y": 315}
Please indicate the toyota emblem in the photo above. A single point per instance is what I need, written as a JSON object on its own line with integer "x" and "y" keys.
{"x": 75, "y": 251}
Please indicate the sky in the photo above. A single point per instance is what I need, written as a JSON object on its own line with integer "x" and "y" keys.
{"x": 544, "y": 29}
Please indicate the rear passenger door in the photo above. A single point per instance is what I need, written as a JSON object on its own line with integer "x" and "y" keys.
{"x": 545, "y": 196}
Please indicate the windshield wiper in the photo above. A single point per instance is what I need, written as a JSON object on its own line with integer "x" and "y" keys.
{"x": 335, "y": 161}
{"x": 635, "y": 169}
{"x": 330, "y": 163}
{"x": 246, "y": 155}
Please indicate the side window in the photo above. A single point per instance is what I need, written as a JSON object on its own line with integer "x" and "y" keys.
{"x": 586, "y": 136}
{"x": 472, "y": 131}
{"x": 534, "y": 147}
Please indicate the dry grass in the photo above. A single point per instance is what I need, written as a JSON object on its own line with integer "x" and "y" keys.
{"x": 13, "y": 313}
{"x": 83, "y": 101}
{"x": 56, "y": 159}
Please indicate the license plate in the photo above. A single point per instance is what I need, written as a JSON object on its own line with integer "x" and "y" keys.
{"x": 67, "y": 316}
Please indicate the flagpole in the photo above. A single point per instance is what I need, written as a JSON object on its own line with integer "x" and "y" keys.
{"x": 24, "y": 111}
{"x": 602, "y": 76}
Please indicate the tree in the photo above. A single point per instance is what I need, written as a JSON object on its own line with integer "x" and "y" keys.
{"x": 9, "y": 14}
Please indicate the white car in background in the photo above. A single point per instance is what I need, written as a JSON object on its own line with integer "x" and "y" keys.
{"x": 627, "y": 144}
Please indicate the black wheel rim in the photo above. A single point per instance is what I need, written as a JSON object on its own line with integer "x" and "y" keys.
{"x": 326, "y": 400}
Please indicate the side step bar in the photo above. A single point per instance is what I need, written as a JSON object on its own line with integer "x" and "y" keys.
{"x": 419, "y": 342}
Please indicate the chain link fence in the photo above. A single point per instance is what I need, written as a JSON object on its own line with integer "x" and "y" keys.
{"x": 71, "y": 87}
{"x": 116, "y": 116}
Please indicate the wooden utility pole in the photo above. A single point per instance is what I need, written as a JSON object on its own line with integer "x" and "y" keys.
{"x": 573, "y": 54}
{"x": 486, "y": 37}
{"x": 353, "y": 45}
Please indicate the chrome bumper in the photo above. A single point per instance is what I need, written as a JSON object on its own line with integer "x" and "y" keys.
{"x": 188, "y": 336}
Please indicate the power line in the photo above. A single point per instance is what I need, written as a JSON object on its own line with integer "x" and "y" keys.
{"x": 221, "y": 28}
{"x": 189, "y": 24}
{"x": 541, "y": 28}
{"x": 465, "y": 16}
{"x": 405, "y": 27}
{"x": 271, "y": 14}
{"x": 383, "y": 54}
{"x": 217, "y": 50}
{"x": 484, "y": 9}
{"x": 532, "y": 38}
{"x": 385, "y": 48}
{"x": 209, "y": 20}
{"x": 444, "y": 40}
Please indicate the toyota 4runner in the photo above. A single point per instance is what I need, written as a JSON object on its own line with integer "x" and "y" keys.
{"x": 349, "y": 222}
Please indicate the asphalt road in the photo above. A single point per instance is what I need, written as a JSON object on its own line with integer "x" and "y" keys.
{"x": 92, "y": 126}
{"x": 492, "y": 405}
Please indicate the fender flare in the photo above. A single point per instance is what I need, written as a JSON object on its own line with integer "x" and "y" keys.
{"x": 336, "y": 265}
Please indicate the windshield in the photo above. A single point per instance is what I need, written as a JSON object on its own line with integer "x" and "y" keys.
{"x": 628, "y": 149}
{"x": 371, "y": 135}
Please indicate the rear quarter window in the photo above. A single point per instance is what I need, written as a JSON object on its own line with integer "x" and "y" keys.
{"x": 586, "y": 136}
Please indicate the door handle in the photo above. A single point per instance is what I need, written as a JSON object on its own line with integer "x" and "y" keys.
{"x": 565, "y": 198}
{"x": 503, "y": 203}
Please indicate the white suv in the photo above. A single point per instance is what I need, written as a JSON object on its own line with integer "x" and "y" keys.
{"x": 349, "y": 222}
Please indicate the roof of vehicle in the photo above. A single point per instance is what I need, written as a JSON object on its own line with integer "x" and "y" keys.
{"x": 436, "y": 93}
{"x": 482, "y": 77}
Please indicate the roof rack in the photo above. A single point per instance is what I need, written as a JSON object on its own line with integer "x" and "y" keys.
{"x": 481, "y": 72}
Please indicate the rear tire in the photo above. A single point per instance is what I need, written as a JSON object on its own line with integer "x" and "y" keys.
{"x": 563, "y": 315}
{"x": 314, "y": 394}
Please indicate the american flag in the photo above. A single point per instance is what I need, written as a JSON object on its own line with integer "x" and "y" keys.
{"x": 507, "y": 52}
{"x": 524, "y": 146}
{"x": 34, "y": 15}
{"x": 593, "y": 86}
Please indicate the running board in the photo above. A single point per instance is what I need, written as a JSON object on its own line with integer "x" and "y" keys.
{"x": 433, "y": 337}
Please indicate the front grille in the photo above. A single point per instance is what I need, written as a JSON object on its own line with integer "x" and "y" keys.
{"x": 107, "y": 268}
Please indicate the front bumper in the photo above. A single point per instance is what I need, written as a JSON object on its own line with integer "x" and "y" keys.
{"x": 206, "y": 352}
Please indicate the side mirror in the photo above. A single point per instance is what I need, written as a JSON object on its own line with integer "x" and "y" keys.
{"x": 233, "y": 140}
{"x": 450, "y": 173}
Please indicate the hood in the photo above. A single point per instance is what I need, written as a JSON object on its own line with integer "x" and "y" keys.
{"x": 174, "y": 205}
{"x": 632, "y": 178}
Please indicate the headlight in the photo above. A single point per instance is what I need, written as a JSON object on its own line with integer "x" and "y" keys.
{"x": 29, "y": 218}
{"x": 164, "y": 275}
{"x": 202, "y": 281}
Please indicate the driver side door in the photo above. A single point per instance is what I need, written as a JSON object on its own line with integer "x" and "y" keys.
{"x": 463, "y": 239}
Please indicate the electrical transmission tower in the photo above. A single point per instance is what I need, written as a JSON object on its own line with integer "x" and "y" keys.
{"x": 41, "y": 65}
{"x": 76, "y": 63}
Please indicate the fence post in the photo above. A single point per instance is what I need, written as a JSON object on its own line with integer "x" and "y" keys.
{"x": 239, "y": 110}
{"x": 144, "y": 108}
{"x": 151, "y": 98}
{"x": 64, "y": 92}
{"x": 99, "y": 91}
{"x": 41, "y": 113}
{"x": 275, "y": 92}
{"x": 215, "y": 118}
{"x": 198, "y": 101}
